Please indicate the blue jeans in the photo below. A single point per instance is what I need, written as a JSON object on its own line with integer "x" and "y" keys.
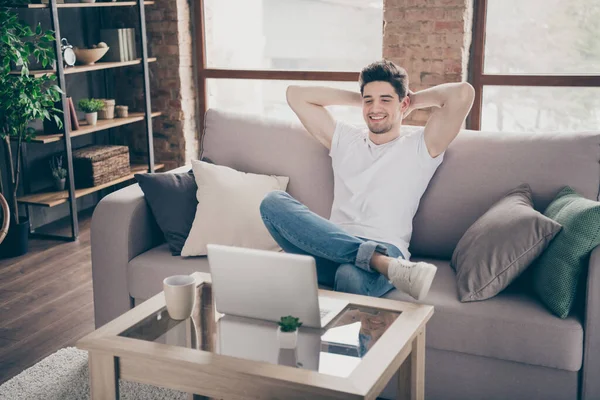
{"x": 342, "y": 259}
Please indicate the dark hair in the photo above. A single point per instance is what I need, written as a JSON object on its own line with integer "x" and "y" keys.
{"x": 385, "y": 71}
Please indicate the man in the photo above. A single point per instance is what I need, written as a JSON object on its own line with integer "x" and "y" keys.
{"x": 380, "y": 175}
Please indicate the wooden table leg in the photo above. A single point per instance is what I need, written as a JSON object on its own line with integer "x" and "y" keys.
{"x": 411, "y": 375}
{"x": 104, "y": 380}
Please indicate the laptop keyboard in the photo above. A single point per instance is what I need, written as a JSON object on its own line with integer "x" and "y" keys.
{"x": 324, "y": 312}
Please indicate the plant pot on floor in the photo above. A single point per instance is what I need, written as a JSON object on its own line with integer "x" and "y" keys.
{"x": 16, "y": 242}
{"x": 287, "y": 340}
{"x": 91, "y": 118}
{"x": 59, "y": 184}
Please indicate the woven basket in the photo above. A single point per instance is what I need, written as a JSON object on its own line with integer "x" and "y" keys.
{"x": 96, "y": 165}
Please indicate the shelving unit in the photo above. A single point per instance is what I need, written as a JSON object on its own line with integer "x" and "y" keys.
{"x": 85, "y": 5}
{"x": 86, "y": 68}
{"x": 52, "y": 199}
{"x": 86, "y": 129}
{"x": 71, "y": 194}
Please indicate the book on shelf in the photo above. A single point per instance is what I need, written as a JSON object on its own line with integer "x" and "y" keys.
{"x": 111, "y": 38}
{"x": 131, "y": 41}
{"x": 73, "y": 114}
{"x": 124, "y": 43}
{"x": 119, "y": 43}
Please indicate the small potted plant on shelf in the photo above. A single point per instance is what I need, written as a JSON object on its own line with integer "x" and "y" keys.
{"x": 91, "y": 107}
{"x": 23, "y": 99}
{"x": 287, "y": 332}
{"x": 58, "y": 173}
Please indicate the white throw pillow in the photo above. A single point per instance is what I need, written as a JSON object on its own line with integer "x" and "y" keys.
{"x": 228, "y": 211}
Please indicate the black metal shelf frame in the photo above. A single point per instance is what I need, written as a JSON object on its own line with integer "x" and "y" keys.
{"x": 55, "y": 26}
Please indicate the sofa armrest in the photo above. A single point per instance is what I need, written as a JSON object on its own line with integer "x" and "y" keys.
{"x": 122, "y": 228}
{"x": 591, "y": 354}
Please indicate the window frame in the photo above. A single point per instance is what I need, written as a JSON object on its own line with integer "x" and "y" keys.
{"x": 203, "y": 72}
{"x": 479, "y": 79}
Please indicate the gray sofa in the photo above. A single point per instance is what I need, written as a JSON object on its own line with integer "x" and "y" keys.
{"x": 508, "y": 347}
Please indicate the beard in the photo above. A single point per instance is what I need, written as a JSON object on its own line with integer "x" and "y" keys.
{"x": 379, "y": 129}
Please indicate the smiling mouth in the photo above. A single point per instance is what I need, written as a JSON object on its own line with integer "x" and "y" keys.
{"x": 377, "y": 119}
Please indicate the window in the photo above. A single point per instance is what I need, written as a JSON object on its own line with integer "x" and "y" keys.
{"x": 540, "y": 109}
{"x": 254, "y": 49}
{"x": 267, "y": 97}
{"x": 536, "y": 65}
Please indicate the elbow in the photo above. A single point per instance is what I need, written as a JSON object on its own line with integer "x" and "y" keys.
{"x": 466, "y": 92}
{"x": 290, "y": 93}
{"x": 461, "y": 94}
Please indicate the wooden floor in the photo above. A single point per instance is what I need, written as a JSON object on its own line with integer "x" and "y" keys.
{"x": 45, "y": 300}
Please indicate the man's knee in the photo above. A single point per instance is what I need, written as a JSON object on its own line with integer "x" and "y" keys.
{"x": 349, "y": 279}
{"x": 272, "y": 201}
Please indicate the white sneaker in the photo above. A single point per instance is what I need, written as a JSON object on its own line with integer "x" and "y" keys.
{"x": 414, "y": 278}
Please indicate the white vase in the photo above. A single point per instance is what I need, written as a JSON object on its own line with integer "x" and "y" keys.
{"x": 287, "y": 340}
{"x": 91, "y": 118}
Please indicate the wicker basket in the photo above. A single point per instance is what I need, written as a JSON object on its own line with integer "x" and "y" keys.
{"x": 96, "y": 165}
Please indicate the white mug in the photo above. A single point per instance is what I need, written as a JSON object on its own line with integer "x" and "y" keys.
{"x": 180, "y": 295}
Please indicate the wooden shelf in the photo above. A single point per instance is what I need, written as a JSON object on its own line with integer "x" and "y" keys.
{"x": 85, "y": 68}
{"x": 85, "y": 129}
{"x": 52, "y": 199}
{"x": 83, "y": 5}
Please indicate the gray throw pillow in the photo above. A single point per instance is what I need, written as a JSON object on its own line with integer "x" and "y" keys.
{"x": 500, "y": 245}
{"x": 172, "y": 199}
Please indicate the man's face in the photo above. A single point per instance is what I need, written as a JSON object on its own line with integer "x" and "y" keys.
{"x": 382, "y": 109}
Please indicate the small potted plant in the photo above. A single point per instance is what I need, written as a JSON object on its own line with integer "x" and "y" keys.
{"x": 91, "y": 107}
{"x": 287, "y": 333}
{"x": 58, "y": 173}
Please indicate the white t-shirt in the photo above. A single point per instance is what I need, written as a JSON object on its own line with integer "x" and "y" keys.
{"x": 377, "y": 188}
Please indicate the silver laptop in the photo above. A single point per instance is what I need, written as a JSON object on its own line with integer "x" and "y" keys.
{"x": 269, "y": 285}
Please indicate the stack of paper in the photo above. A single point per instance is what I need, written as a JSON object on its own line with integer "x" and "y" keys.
{"x": 345, "y": 334}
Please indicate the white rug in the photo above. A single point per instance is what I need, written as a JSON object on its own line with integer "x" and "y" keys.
{"x": 64, "y": 375}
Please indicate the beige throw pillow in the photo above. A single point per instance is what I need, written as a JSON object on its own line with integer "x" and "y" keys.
{"x": 228, "y": 209}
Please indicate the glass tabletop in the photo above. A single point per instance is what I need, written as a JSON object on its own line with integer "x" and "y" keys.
{"x": 336, "y": 349}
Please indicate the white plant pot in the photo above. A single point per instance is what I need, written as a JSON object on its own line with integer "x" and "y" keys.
{"x": 287, "y": 340}
{"x": 91, "y": 118}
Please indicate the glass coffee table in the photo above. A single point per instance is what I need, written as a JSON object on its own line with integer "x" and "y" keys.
{"x": 222, "y": 356}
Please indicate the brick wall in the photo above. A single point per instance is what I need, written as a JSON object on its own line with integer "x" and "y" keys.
{"x": 169, "y": 33}
{"x": 430, "y": 39}
{"x": 169, "y": 30}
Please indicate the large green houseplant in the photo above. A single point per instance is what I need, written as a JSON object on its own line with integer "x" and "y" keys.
{"x": 23, "y": 99}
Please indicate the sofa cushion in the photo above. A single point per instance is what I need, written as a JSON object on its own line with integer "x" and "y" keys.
{"x": 272, "y": 147}
{"x": 513, "y": 326}
{"x": 479, "y": 167}
{"x": 558, "y": 273}
{"x": 500, "y": 245}
{"x": 145, "y": 273}
{"x": 172, "y": 199}
{"x": 228, "y": 211}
